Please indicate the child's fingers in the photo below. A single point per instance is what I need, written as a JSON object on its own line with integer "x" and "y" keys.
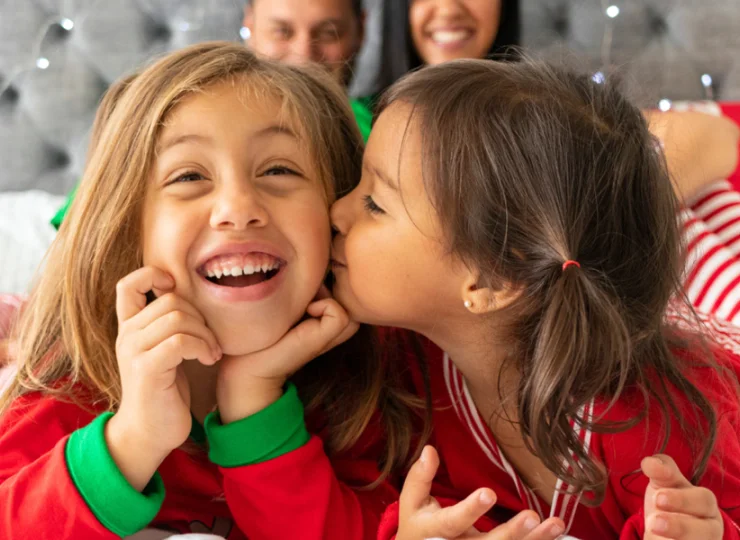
{"x": 328, "y": 323}
{"x": 698, "y": 502}
{"x": 683, "y": 527}
{"x": 418, "y": 483}
{"x": 335, "y": 326}
{"x": 131, "y": 290}
{"x": 172, "y": 323}
{"x": 323, "y": 293}
{"x": 663, "y": 472}
{"x": 172, "y": 351}
{"x": 349, "y": 331}
{"x": 453, "y": 521}
{"x": 160, "y": 307}
{"x": 527, "y": 525}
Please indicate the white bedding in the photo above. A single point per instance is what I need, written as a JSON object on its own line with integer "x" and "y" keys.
{"x": 25, "y": 235}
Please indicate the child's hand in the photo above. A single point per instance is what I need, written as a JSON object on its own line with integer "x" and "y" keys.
{"x": 248, "y": 384}
{"x": 674, "y": 508}
{"x": 421, "y": 516}
{"x": 153, "y": 340}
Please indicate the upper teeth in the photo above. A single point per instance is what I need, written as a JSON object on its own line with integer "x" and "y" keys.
{"x": 247, "y": 270}
{"x": 449, "y": 36}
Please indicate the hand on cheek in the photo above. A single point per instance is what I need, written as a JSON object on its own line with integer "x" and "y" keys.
{"x": 247, "y": 384}
{"x": 153, "y": 341}
{"x": 675, "y": 508}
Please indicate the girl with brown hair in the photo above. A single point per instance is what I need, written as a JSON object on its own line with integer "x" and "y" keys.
{"x": 521, "y": 218}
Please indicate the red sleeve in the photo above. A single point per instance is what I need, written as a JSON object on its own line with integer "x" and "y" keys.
{"x": 308, "y": 496}
{"x": 38, "y": 498}
{"x": 623, "y": 452}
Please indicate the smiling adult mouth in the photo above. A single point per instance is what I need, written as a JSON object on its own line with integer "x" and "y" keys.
{"x": 450, "y": 37}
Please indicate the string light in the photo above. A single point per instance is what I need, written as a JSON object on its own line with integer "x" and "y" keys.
{"x": 67, "y": 24}
{"x": 598, "y": 77}
{"x": 42, "y": 63}
{"x": 664, "y": 105}
{"x": 612, "y": 11}
{"x": 245, "y": 33}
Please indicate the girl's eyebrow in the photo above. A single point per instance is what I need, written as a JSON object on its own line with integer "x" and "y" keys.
{"x": 371, "y": 169}
{"x": 275, "y": 129}
{"x": 181, "y": 139}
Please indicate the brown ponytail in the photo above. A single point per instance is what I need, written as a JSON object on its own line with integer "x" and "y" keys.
{"x": 529, "y": 166}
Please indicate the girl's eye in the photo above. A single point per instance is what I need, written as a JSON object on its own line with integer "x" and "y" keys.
{"x": 190, "y": 176}
{"x": 279, "y": 170}
{"x": 371, "y": 207}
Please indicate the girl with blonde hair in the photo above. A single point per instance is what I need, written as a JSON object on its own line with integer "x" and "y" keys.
{"x": 188, "y": 276}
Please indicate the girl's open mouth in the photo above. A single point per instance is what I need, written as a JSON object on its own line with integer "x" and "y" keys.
{"x": 241, "y": 270}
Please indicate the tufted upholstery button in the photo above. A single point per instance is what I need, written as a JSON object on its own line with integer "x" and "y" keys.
{"x": 9, "y": 96}
{"x": 159, "y": 32}
{"x": 656, "y": 22}
{"x": 560, "y": 24}
{"x": 59, "y": 159}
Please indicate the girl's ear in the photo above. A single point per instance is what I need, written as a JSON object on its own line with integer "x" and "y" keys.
{"x": 482, "y": 300}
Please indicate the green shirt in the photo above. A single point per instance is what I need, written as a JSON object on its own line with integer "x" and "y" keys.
{"x": 363, "y": 111}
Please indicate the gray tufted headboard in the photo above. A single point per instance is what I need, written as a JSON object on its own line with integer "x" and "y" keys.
{"x": 58, "y": 56}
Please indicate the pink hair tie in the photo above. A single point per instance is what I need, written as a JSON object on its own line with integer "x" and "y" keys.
{"x": 568, "y": 263}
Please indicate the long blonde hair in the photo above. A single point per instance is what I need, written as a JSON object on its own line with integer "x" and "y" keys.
{"x": 66, "y": 336}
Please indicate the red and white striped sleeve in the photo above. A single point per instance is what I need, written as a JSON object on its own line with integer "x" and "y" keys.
{"x": 712, "y": 281}
{"x": 718, "y": 206}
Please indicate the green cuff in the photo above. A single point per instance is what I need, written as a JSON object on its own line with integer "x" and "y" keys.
{"x": 116, "y": 504}
{"x": 270, "y": 433}
{"x": 56, "y": 221}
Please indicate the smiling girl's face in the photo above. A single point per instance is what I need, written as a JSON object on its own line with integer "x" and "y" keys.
{"x": 234, "y": 211}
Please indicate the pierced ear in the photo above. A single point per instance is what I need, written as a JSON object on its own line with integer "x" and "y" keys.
{"x": 481, "y": 300}
{"x": 248, "y": 19}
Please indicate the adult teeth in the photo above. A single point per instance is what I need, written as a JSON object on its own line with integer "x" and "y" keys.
{"x": 446, "y": 36}
{"x": 248, "y": 270}
{"x": 236, "y": 271}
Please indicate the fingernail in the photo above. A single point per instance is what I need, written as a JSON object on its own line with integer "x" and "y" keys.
{"x": 661, "y": 500}
{"x": 531, "y": 524}
{"x": 486, "y": 498}
{"x": 557, "y": 530}
{"x": 659, "y": 525}
{"x": 218, "y": 353}
{"x": 423, "y": 459}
